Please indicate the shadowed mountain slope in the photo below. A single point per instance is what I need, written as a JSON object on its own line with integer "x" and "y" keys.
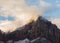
{"x": 39, "y": 28}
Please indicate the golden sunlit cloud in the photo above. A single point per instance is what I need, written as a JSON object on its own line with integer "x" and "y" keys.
{"x": 21, "y": 11}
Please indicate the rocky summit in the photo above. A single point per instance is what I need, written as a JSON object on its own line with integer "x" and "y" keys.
{"x": 39, "y": 31}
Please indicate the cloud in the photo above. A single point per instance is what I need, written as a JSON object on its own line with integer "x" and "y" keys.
{"x": 56, "y": 21}
{"x": 44, "y": 4}
{"x": 21, "y": 11}
{"x": 58, "y": 5}
{"x": 18, "y": 8}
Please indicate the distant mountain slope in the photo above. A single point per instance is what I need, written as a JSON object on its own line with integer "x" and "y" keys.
{"x": 41, "y": 28}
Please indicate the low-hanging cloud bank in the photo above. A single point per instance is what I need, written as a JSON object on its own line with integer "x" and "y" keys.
{"x": 21, "y": 11}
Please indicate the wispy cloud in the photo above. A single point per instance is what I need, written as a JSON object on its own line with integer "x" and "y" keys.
{"x": 44, "y": 4}
{"x": 21, "y": 11}
{"x": 58, "y": 5}
{"x": 56, "y": 21}
{"x": 18, "y": 8}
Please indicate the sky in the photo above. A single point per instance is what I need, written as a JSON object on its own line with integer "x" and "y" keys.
{"x": 52, "y": 13}
{"x": 16, "y": 13}
{"x": 24, "y": 11}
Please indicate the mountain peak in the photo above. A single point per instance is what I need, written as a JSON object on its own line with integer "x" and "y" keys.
{"x": 39, "y": 28}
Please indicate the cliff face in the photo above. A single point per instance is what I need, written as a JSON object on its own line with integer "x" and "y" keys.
{"x": 41, "y": 28}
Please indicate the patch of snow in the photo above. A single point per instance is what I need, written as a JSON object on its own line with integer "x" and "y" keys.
{"x": 22, "y": 41}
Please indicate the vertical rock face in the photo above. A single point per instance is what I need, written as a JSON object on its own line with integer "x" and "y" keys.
{"x": 42, "y": 28}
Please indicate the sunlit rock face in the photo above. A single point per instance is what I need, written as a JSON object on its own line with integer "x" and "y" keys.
{"x": 22, "y": 13}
